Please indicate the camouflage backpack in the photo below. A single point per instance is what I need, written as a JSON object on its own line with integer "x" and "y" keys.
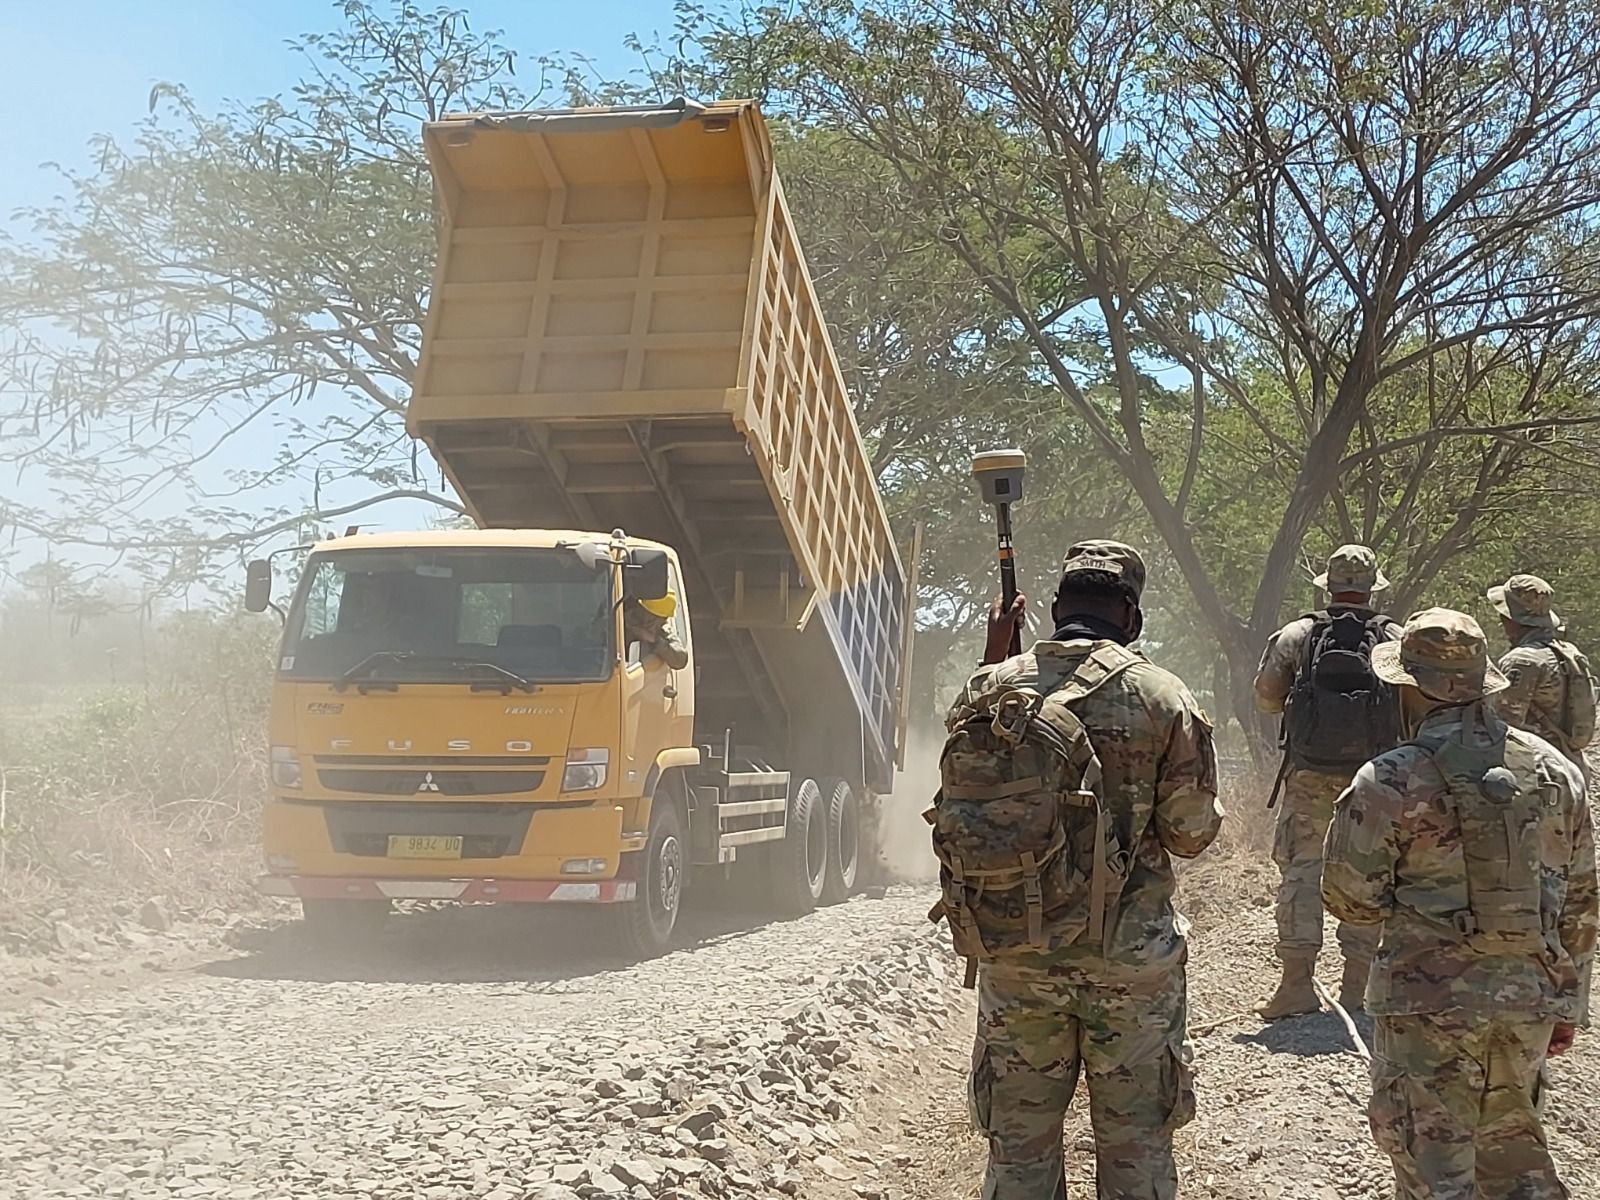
{"x": 1578, "y": 701}
{"x": 1028, "y": 855}
{"x": 1507, "y": 807}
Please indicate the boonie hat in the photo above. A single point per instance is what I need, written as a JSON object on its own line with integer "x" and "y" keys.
{"x": 1352, "y": 568}
{"x": 1443, "y": 653}
{"x": 1114, "y": 558}
{"x": 1526, "y": 600}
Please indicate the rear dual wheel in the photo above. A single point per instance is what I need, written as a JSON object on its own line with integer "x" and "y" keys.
{"x": 844, "y": 840}
{"x": 819, "y": 858}
{"x": 801, "y": 859}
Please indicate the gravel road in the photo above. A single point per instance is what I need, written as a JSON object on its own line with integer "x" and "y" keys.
{"x": 483, "y": 1054}
{"x": 495, "y": 1054}
{"x": 1281, "y": 1107}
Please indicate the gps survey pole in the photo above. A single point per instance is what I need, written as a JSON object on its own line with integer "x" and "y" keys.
{"x": 999, "y": 474}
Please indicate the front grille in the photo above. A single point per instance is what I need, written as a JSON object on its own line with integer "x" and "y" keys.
{"x": 425, "y": 782}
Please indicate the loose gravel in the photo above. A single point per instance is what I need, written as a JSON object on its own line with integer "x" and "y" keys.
{"x": 440, "y": 1069}
{"x": 1281, "y": 1107}
{"x": 496, "y": 1054}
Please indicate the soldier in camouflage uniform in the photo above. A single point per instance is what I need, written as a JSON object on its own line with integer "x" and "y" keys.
{"x": 1471, "y": 849}
{"x": 1307, "y": 805}
{"x": 1115, "y": 1011}
{"x": 1542, "y": 670}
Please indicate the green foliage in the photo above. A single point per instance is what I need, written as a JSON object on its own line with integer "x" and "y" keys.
{"x": 1244, "y": 282}
{"x": 1295, "y": 276}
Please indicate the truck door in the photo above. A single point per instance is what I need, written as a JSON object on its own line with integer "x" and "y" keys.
{"x": 658, "y": 702}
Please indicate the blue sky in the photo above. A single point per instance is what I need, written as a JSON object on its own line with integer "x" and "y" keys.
{"x": 72, "y": 68}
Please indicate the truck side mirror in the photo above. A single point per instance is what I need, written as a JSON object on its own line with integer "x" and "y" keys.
{"x": 257, "y": 585}
{"x": 646, "y": 576}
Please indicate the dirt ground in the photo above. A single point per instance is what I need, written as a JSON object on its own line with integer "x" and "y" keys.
{"x": 499, "y": 1055}
{"x": 1281, "y": 1107}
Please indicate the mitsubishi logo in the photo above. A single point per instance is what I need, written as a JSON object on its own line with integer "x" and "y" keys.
{"x": 427, "y": 784}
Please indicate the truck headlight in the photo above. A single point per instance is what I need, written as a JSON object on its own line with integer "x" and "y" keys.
{"x": 285, "y": 768}
{"x": 586, "y": 770}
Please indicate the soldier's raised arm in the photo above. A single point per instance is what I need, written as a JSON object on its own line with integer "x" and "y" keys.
{"x": 1362, "y": 849}
{"x": 1187, "y": 813}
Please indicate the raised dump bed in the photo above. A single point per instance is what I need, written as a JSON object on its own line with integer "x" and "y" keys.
{"x": 623, "y": 334}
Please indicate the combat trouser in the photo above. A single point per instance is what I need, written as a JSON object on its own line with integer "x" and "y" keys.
{"x": 1455, "y": 1105}
{"x": 1036, "y": 1035}
{"x": 1304, "y": 814}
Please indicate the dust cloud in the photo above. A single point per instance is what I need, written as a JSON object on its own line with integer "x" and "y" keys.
{"x": 903, "y": 846}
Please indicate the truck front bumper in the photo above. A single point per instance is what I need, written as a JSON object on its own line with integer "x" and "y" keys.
{"x": 474, "y": 891}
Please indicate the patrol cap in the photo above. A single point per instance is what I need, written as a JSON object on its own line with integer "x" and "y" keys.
{"x": 1113, "y": 558}
{"x": 1443, "y": 653}
{"x": 1352, "y": 568}
{"x": 1526, "y": 600}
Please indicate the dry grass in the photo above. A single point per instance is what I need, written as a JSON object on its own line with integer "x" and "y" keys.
{"x": 110, "y": 794}
{"x": 1237, "y": 869}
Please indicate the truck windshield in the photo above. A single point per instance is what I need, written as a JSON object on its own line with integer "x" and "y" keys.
{"x": 422, "y": 615}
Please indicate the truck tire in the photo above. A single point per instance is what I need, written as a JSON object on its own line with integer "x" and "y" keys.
{"x": 645, "y": 924}
{"x": 801, "y": 859}
{"x": 844, "y": 840}
{"x": 345, "y": 924}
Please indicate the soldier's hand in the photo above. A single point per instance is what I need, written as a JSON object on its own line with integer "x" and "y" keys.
{"x": 1002, "y": 621}
{"x": 1561, "y": 1038}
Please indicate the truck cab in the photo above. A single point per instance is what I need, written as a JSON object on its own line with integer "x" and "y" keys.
{"x": 469, "y": 707}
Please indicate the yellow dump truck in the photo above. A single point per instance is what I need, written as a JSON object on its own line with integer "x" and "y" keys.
{"x": 677, "y": 637}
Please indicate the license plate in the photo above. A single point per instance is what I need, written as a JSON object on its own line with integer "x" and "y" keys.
{"x": 407, "y": 845}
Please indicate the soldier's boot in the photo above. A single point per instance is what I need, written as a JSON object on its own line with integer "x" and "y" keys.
{"x": 1353, "y": 984}
{"x": 1295, "y": 995}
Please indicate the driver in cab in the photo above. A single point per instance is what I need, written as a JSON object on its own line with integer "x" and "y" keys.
{"x": 649, "y": 622}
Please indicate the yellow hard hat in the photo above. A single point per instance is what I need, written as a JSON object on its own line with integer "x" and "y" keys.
{"x": 662, "y": 606}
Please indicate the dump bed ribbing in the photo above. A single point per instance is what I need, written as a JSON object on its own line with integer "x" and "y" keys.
{"x": 623, "y": 334}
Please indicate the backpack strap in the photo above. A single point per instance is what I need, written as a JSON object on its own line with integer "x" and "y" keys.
{"x": 1321, "y": 623}
{"x": 1571, "y": 672}
{"x": 1382, "y": 623}
{"x": 1099, "y": 881}
{"x": 963, "y": 914}
{"x": 1101, "y": 665}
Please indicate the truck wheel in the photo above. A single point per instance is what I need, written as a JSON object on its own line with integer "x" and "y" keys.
{"x": 345, "y": 924}
{"x": 645, "y": 924}
{"x": 844, "y": 840}
{"x": 801, "y": 864}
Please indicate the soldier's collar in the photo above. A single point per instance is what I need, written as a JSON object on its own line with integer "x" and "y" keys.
{"x": 1082, "y": 625}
